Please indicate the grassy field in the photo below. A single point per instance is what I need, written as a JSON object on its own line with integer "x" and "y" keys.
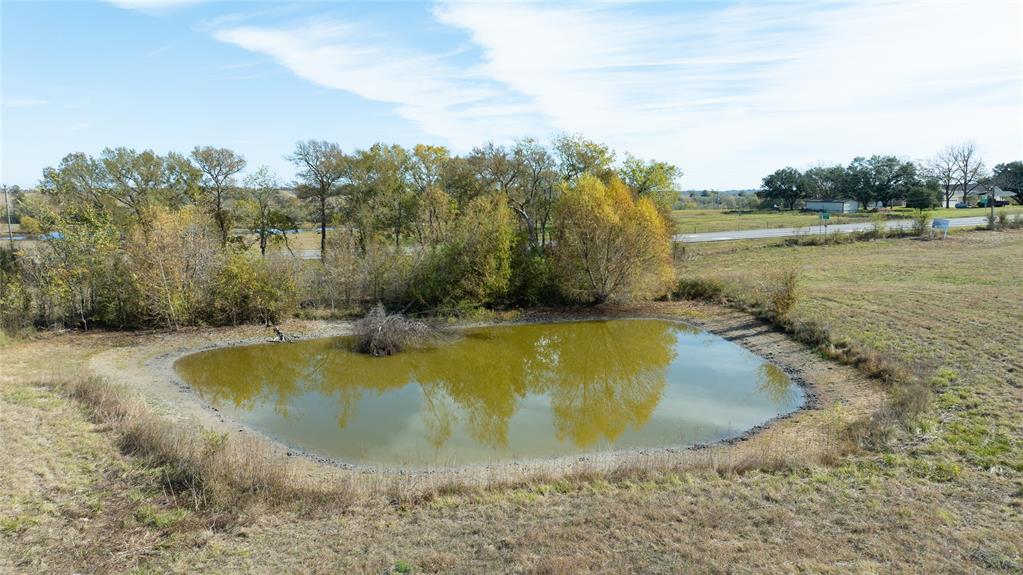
{"x": 945, "y": 497}
{"x": 712, "y": 220}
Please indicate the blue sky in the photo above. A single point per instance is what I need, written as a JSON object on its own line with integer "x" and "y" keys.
{"x": 728, "y": 91}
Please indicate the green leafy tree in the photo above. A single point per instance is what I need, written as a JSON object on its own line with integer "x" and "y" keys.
{"x": 219, "y": 166}
{"x": 925, "y": 196}
{"x": 322, "y": 165}
{"x": 653, "y": 179}
{"x": 1009, "y": 177}
{"x": 786, "y": 186}
{"x": 824, "y": 182}
{"x": 576, "y": 156}
{"x": 890, "y": 178}
{"x": 426, "y": 172}
{"x": 136, "y": 180}
{"x": 79, "y": 181}
{"x": 263, "y": 209}
{"x": 858, "y": 182}
{"x": 380, "y": 196}
{"x": 534, "y": 192}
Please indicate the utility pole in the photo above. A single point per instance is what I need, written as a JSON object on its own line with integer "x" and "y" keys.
{"x": 7, "y": 203}
{"x": 991, "y": 202}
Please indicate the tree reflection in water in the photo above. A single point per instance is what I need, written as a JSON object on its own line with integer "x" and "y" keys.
{"x": 775, "y": 384}
{"x": 600, "y": 378}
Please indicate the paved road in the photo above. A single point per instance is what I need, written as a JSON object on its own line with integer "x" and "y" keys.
{"x": 814, "y": 230}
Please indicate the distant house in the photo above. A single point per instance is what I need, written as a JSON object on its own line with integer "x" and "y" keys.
{"x": 832, "y": 206}
{"x": 980, "y": 191}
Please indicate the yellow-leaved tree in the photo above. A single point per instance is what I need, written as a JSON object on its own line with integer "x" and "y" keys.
{"x": 611, "y": 245}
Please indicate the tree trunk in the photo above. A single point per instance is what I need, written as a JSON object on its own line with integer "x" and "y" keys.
{"x": 323, "y": 225}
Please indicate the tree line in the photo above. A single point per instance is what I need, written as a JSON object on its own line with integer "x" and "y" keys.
{"x": 169, "y": 240}
{"x": 880, "y": 179}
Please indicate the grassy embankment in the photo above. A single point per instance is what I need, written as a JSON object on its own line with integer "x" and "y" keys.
{"x": 945, "y": 496}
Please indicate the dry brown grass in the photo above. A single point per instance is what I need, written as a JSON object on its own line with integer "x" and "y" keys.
{"x": 211, "y": 471}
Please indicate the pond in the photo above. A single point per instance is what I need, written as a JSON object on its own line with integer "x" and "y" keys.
{"x": 497, "y": 394}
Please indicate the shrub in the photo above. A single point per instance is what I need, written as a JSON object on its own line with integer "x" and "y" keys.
{"x": 609, "y": 244}
{"x": 380, "y": 333}
{"x": 15, "y": 302}
{"x": 923, "y": 197}
{"x": 472, "y": 266}
{"x": 533, "y": 280}
{"x": 1003, "y": 220}
{"x": 175, "y": 261}
{"x": 250, "y": 288}
{"x": 878, "y": 225}
{"x": 921, "y": 222}
{"x": 708, "y": 289}
{"x": 30, "y": 226}
{"x": 784, "y": 293}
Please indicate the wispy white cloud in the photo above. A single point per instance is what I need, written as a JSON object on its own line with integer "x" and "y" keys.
{"x": 426, "y": 88}
{"x": 152, "y": 6}
{"x": 728, "y": 92}
{"x": 734, "y": 92}
{"x": 24, "y": 102}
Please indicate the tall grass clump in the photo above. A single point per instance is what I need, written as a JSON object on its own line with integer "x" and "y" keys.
{"x": 785, "y": 293}
{"x": 707, "y": 289}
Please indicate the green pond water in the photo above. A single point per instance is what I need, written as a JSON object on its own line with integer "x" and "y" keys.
{"x": 497, "y": 393}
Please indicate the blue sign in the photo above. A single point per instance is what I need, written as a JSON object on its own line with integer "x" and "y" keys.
{"x": 941, "y": 224}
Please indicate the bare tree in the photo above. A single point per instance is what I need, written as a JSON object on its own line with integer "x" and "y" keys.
{"x": 969, "y": 166}
{"x": 943, "y": 168}
{"x": 322, "y": 165}
{"x": 218, "y": 166}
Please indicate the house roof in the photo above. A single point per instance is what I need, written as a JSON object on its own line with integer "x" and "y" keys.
{"x": 980, "y": 189}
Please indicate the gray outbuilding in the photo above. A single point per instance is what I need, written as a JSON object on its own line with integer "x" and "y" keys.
{"x": 832, "y": 206}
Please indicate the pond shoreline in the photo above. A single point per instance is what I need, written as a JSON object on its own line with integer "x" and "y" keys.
{"x": 180, "y": 399}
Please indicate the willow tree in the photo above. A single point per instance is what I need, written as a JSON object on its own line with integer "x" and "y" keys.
{"x": 610, "y": 244}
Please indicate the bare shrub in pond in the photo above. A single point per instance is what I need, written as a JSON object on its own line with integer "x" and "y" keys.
{"x": 381, "y": 333}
